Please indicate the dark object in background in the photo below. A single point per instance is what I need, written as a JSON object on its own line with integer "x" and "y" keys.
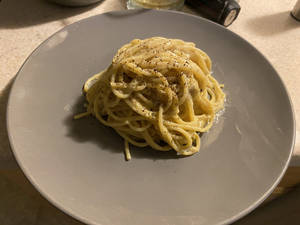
{"x": 223, "y": 12}
{"x": 296, "y": 11}
{"x": 74, "y": 3}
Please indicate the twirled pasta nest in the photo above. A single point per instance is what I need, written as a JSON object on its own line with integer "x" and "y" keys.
{"x": 157, "y": 92}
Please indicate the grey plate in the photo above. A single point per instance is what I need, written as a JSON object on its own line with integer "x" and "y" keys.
{"x": 79, "y": 165}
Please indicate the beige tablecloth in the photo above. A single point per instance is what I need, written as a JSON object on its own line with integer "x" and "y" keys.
{"x": 25, "y": 24}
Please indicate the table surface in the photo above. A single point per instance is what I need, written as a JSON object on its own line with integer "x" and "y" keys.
{"x": 25, "y": 24}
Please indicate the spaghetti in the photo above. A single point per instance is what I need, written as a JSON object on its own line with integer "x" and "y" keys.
{"x": 157, "y": 92}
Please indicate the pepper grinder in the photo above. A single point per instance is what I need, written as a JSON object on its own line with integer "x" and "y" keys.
{"x": 296, "y": 11}
{"x": 223, "y": 12}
